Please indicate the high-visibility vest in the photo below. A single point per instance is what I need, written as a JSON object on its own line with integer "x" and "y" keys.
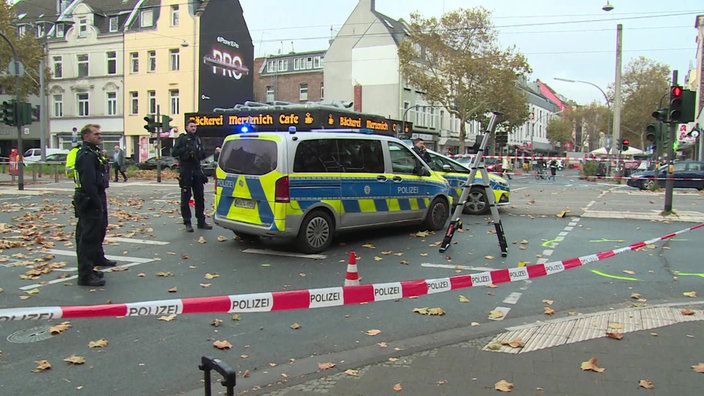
{"x": 71, "y": 162}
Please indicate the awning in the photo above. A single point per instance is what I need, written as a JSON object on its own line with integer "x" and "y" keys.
{"x": 542, "y": 147}
{"x": 448, "y": 142}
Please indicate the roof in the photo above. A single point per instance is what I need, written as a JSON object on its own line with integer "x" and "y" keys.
{"x": 397, "y": 28}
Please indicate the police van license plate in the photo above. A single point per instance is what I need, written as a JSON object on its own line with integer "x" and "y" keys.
{"x": 244, "y": 203}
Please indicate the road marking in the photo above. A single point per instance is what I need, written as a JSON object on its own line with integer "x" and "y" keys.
{"x": 606, "y": 240}
{"x": 460, "y": 267}
{"x": 512, "y": 298}
{"x": 72, "y": 253}
{"x": 139, "y": 241}
{"x": 689, "y": 274}
{"x": 604, "y": 274}
{"x": 504, "y": 310}
{"x": 286, "y": 254}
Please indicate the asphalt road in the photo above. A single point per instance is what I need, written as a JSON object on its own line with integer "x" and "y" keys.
{"x": 148, "y": 355}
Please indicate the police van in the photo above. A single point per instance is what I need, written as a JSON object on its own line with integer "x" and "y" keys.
{"x": 311, "y": 185}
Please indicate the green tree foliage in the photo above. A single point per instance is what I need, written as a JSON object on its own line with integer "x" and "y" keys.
{"x": 457, "y": 62}
{"x": 560, "y": 130}
{"x": 592, "y": 121}
{"x": 643, "y": 84}
{"x": 28, "y": 50}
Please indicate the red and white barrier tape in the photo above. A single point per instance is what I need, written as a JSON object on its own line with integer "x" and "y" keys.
{"x": 536, "y": 157}
{"x": 317, "y": 298}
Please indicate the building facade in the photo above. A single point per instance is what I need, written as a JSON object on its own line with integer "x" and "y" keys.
{"x": 293, "y": 77}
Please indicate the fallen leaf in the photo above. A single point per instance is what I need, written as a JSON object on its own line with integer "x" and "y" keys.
{"x": 503, "y": 386}
{"x": 369, "y": 246}
{"x": 548, "y": 302}
{"x": 474, "y": 324}
{"x": 73, "y": 359}
{"x": 404, "y": 262}
{"x": 382, "y": 344}
{"x": 205, "y": 285}
{"x": 202, "y": 239}
{"x": 687, "y": 312}
{"x": 173, "y": 290}
{"x": 164, "y": 274}
{"x": 377, "y": 258}
{"x": 646, "y": 383}
{"x": 463, "y": 299}
{"x": 515, "y": 343}
{"x": 373, "y": 332}
{"x": 635, "y": 296}
{"x": 491, "y": 286}
{"x": 422, "y": 234}
{"x": 698, "y": 368}
{"x": 326, "y": 366}
{"x": 489, "y": 257}
{"x": 222, "y": 344}
{"x": 496, "y": 314}
{"x": 398, "y": 387}
{"x": 167, "y": 318}
{"x": 593, "y": 365}
{"x": 387, "y": 252}
{"x": 548, "y": 311}
{"x": 60, "y": 328}
{"x": 42, "y": 365}
{"x": 216, "y": 322}
{"x": 354, "y": 373}
{"x": 98, "y": 344}
{"x": 211, "y": 276}
{"x": 615, "y": 335}
{"x": 295, "y": 326}
{"x": 629, "y": 272}
{"x": 221, "y": 238}
{"x": 493, "y": 346}
{"x": 691, "y": 294}
{"x": 615, "y": 326}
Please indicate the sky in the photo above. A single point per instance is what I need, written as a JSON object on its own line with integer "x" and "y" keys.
{"x": 572, "y": 39}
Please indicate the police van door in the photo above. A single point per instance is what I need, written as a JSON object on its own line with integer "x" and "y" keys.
{"x": 409, "y": 192}
{"x": 364, "y": 182}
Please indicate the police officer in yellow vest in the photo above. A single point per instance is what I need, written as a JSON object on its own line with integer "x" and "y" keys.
{"x": 91, "y": 207}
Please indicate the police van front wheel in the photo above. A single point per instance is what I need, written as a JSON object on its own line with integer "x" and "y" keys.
{"x": 316, "y": 232}
{"x": 477, "y": 202}
{"x": 437, "y": 215}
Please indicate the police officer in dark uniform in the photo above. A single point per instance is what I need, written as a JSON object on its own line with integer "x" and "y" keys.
{"x": 419, "y": 148}
{"x": 189, "y": 151}
{"x": 91, "y": 208}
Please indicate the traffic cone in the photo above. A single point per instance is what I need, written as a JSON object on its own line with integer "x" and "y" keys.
{"x": 352, "y": 277}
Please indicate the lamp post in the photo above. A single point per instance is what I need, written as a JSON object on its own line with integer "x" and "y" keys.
{"x": 20, "y": 162}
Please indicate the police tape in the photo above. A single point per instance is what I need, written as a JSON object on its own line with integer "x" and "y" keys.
{"x": 317, "y": 298}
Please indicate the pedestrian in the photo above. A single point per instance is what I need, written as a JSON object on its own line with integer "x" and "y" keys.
{"x": 553, "y": 169}
{"x": 91, "y": 207}
{"x": 419, "y": 148}
{"x": 118, "y": 158}
{"x": 189, "y": 150}
{"x": 216, "y": 154}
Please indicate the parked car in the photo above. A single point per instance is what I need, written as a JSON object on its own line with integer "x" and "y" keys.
{"x": 209, "y": 165}
{"x": 35, "y": 154}
{"x": 492, "y": 165}
{"x": 167, "y": 163}
{"x": 687, "y": 174}
{"x": 57, "y": 158}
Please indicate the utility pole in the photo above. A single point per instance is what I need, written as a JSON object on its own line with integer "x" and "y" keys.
{"x": 20, "y": 161}
{"x": 158, "y": 144}
{"x": 616, "y": 138}
{"x": 670, "y": 149}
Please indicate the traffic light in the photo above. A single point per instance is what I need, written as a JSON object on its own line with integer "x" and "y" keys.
{"x": 166, "y": 123}
{"x": 689, "y": 99}
{"x": 675, "y": 110}
{"x": 660, "y": 115}
{"x": 25, "y": 110}
{"x": 150, "y": 126}
{"x": 625, "y": 144}
{"x": 652, "y": 133}
{"x": 9, "y": 112}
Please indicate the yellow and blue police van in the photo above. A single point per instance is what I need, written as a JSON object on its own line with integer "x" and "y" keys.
{"x": 310, "y": 185}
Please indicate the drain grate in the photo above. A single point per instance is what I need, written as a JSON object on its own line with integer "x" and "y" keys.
{"x": 34, "y": 334}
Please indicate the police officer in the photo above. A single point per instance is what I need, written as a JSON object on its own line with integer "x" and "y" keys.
{"x": 91, "y": 207}
{"x": 419, "y": 148}
{"x": 189, "y": 150}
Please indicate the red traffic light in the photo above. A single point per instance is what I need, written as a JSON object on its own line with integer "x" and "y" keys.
{"x": 676, "y": 91}
{"x": 626, "y": 142}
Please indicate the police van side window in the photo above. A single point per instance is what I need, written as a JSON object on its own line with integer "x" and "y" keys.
{"x": 248, "y": 157}
{"x": 361, "y": 156}
{"x": 402, "y": 160}
{"x": 317, "y": 156}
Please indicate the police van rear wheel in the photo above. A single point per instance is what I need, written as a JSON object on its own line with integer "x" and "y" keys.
{"x": 477, "y": 202}
{"x": 437, "y": 215}
{"x": 316, "y": 232}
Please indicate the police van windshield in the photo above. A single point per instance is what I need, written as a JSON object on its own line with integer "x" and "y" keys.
{"x": 248, "y": 157}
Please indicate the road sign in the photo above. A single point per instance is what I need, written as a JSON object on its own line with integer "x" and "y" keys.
{"x": 11, "y": 68}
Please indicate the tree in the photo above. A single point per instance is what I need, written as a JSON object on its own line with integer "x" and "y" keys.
{"x": 644, "y": 84}
{"x": 28, "y": 50}
{"x": 457, "y": 62}
{"x": 560, "y": 130}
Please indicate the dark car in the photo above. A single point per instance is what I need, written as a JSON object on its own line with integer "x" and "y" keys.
{"x": 167, "y": 163}
{"x": 687, "y": 174}
{"x": 209, "y": 165}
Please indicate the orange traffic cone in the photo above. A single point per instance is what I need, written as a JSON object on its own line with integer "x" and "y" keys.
{"x": 352, "y": 277}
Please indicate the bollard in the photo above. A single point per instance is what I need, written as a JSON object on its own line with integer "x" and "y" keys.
{"x": 56, "y": 173}
{"x": 229, "y": 375}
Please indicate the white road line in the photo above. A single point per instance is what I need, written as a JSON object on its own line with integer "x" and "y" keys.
{"x": 504, "y": 310}
{"x": 139, "y": 241}
{"x": 138, "y": 260}
{"x": 63, "y": 280}
{"x": 460, "y": 267}
{"x": 512, "y": 298}
{"x": 286, "y": 254}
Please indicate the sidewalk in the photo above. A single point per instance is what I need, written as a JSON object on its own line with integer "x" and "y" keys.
{"x": 659, "y": 345}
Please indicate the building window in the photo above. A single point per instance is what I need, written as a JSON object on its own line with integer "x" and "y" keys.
{"x": 322, "y": 90}
{"x": 174, "y": 59}
{"x": 309, "y": 63}
{"x": 174, "y": 15}
{"x": 270, "y": 93}
{"x": 283, "y": 65}
{"x": 113, "y": 24}
{"x": 146, "y": 18}
{"x": 317, "y": 62}
{"x": 134, "y": 62}
{"x": 303, "y": 92}
{"x": 112, "y": 62}
{"x": 152, "y": 101}
{"x": 58, "y": 105}
{"x": 82, "y": 27}
{"x": 58, "y": 67}
{"x": 297, "y": 64}
{"x": 271, "y": 66}
{"x": 83, "y": 105}
{"x": 175, "y": 105}
{"x": 40, "y": 30}
{"x": 111, "y": 103}
{"x": 59, "y": 28}
{"x": 82, "y": 65}
{"x": 134, "y": 102}
{"x": 151, "y": 61}
{"x": 21, "y": 30}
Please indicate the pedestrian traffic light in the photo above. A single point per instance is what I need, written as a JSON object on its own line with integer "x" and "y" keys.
{"x": 166, "y": 123}
{"x": 675, "y": 110}
{"x": 652, "y": 133}
{"x": 9, "y": 112}
{"x": 660, "y": 114}
{"x": 25, "y": 113}
{"x": 625, "y": 144}
{"x": 150, "y": 126}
